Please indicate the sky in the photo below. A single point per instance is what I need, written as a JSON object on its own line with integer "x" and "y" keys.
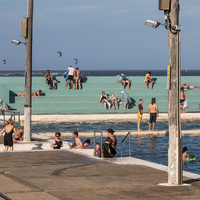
{"x": 101, "y": 34}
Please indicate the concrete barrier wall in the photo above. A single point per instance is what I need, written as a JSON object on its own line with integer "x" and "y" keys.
{"x": 86, "y": 100}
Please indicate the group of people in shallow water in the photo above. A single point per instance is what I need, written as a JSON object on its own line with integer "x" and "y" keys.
{"x": 108, "y": 148}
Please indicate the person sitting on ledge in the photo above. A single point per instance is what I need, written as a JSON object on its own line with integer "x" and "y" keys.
{"x": 124, "y": 81}
{"x": 20, "y": 132}
{"x": 77, "y": 142}
{"x": 2, "y": 105}
{"x": 49, "y": 80}
{"x": 36, "y": 94}
{"x": 149, "y": 79}
{"x": 113, "y": 100}
{"x": 104, "y": 99}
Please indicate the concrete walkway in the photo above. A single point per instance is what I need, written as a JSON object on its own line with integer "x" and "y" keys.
{"x": 99, "y": 117}
{"x": 51, "y": 175}
{"x": 133, "y": 133}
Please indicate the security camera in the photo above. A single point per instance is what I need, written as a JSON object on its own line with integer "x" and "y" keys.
{"x": 152, "y": 23}
{"x": 15, "y": 42}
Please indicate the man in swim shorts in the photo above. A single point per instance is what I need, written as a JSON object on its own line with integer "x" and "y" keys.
{"x": 70, "y": 72}
{"x": 77, "y": 142}
{"x": 153, "y": 111}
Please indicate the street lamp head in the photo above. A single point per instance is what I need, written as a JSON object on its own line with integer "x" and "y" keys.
{"x": 151, "y": 23}
{"x": 15, "y": 42}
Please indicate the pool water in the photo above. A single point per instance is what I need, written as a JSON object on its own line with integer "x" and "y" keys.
{"x": 104, "y": 125}
{"x": 150, "y": 148}
{"x": 155, "y": 149}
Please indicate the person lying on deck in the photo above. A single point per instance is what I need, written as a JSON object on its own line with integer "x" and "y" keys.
{"x": 36, "y": 94}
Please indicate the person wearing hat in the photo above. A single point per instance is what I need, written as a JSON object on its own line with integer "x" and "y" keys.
{"x": 127, "y": 99}
{"x": 2, "y": 105}
{"x": 20, "y": 132}
{"x": 124, "y": 81}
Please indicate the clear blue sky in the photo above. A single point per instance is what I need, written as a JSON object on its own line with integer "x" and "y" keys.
{"x": 106, "y": 34}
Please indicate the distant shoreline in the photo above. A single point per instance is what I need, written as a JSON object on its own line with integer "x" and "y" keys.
{"x": 35, "y": 73}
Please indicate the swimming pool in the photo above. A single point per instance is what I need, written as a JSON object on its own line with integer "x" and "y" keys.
{"x": 155, "y": 149}
{"x": 150, "y": 148}
{"x": 104, "y": 125}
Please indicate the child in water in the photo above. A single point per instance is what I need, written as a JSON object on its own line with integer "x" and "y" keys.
{"x": 97, "y": 151}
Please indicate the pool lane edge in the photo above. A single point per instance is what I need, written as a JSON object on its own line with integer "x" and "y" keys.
{"x": 101, "y": 117}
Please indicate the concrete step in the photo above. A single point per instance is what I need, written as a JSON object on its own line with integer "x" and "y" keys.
{"x": 97, "y": 91}
{"x": 87, "y": 98}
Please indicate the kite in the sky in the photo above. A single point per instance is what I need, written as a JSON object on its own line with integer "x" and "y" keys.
{"x": 76, "y": 61}
{"x": 4, "y": 61}
{"x": 60, "y": 53}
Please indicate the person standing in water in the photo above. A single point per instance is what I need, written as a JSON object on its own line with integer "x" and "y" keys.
{"x": 113, "y": 142}
{"x": 153, "y": 111}
{"x": 139, "y": 115}
{"x": 57, "y": 142}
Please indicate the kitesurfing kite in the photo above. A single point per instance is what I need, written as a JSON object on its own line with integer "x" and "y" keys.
{"x": 4, "y": 61}
{"x": 76, "y": 61}
{"x": 60, "y": 53}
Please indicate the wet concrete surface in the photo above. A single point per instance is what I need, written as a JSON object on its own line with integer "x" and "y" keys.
{"x": 65, "y": 175}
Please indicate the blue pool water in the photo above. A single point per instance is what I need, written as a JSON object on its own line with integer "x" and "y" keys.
{"x": 104, "y": 125}
{"x": 150, "y": 148}
{"x": 155, "y": 149}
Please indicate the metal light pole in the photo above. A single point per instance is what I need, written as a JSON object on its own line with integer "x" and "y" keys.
{"x": 28, "y": 74}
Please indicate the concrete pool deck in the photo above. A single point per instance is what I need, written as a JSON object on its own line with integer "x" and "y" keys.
{"x": 133, "y": 133}
{"x": 101, "y": 117}
{"x": 52, "y": 175}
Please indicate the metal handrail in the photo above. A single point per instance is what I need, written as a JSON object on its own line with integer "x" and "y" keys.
{"x": 101, "y": 142}
{"x": 12, "y": 115}
{"x": 129, "y": 133}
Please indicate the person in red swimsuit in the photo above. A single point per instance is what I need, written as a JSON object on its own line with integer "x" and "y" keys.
{"x": 139, "y": 115}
